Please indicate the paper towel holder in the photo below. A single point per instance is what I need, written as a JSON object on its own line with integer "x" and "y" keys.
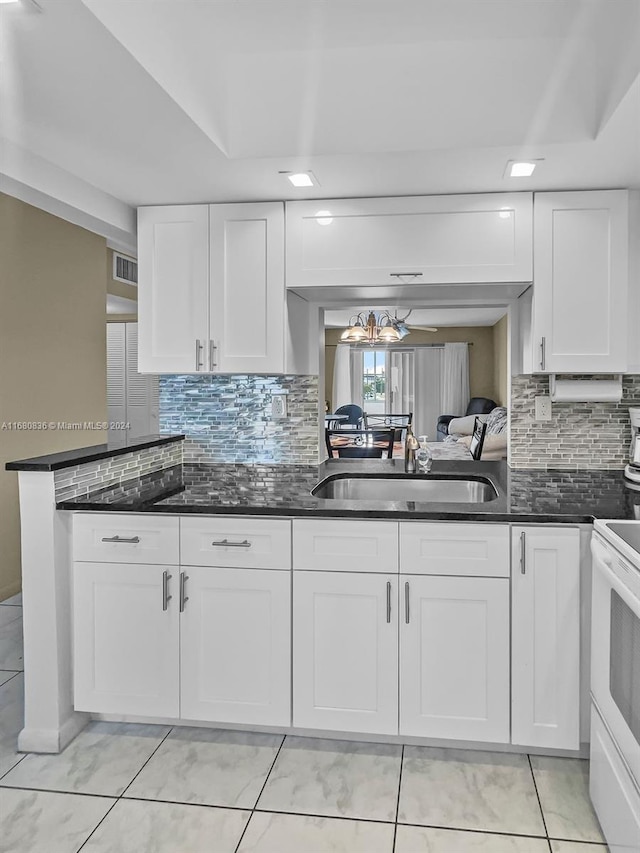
{"x": 607, "y": 390}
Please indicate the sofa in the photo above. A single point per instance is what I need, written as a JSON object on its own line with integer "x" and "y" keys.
{"x": 477, "y": 406}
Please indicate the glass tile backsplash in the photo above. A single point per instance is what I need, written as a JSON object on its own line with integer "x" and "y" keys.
{"x": 228, "y": 418}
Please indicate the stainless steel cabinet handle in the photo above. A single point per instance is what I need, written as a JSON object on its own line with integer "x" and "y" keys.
{"x": 400, "y": 274}
{"x": 523, "y": 551}
{"x": 183, "y": 588}
{"x": 166, "y": 598}
{"x": 388, "y": 601}
{"x": 225, "y": 543}
{"x": 212, "y": 355}
{"x": 199, "y": 348}
{"x": 543, "y": 353}
{"x": 406, "y": 603}
{"x": 130, "y": 540}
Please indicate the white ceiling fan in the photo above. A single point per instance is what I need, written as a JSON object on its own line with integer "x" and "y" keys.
{"x": 404, "y": 328}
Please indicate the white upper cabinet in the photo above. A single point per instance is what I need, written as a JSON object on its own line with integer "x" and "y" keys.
{"x": 412, "y": 240}
{"x": 580, "y": 292}
{"x": 247, "y": 304}
{"x": 173, "y": 288}
{"x": 212, "y": 296}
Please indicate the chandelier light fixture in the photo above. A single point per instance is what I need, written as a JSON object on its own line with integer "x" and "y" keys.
{"x": 380, "y": 328}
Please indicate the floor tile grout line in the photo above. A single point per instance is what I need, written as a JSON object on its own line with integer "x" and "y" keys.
{"x": 99, "y": 824}
{"x": 104, "y": 817}
{"x": 535, "y": 785}
{"x": 57, "y": 790}
{"x": 145, "y": 763}
{"x": 6, "y": 773}
{"x": 264, "y": 785}
{"x": 476, "y": 831}
{"x": 395, "y": 827}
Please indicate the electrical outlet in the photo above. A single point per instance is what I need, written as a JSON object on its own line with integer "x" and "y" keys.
{"x": 543, "y": 408}
{"x": 278, "y": 405}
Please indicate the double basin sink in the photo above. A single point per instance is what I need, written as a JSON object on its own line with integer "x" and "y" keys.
{"x": 429, "y": 488}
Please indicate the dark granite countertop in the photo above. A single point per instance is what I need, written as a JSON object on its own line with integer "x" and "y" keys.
{"x": 285, "y": 490}
{"x": 71, "y": 458}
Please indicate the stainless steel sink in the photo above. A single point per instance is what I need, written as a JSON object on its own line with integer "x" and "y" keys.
{"x": 427, "y": 489}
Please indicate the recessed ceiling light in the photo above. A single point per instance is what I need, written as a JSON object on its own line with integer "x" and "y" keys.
{"x": 302, "y": 179}
{"x": 521, "y": 168}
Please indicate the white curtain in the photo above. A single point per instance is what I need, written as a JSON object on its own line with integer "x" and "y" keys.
{"x": 357, "y": 369}
{"x": 341, "y": 392}
{"x": 455, "y": 379}
{"x": 401, "y": 393}
{"x": 428, "y": 393}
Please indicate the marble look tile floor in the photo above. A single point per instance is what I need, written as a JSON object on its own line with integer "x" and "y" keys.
{"x": 129, "y": 788}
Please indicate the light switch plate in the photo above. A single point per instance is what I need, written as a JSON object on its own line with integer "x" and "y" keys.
{"x": 278, "y": 406}
{"x": 543, "y": 409}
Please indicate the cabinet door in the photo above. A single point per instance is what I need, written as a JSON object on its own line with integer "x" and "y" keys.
{"x": 173, "y": 288}
{"x": 454, "y": 658}
{"x": 345, "y": 662}
{"x": 247, "y": 303}
{"x": 581, "y": 282}
{"x": 414, "y": 240}
{"x": 545, "y": 666}
{"x": 236, "y": 646}
{"x": 126, "y": 643}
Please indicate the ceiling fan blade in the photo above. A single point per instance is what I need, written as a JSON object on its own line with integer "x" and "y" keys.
{"x": 422, "y": 328}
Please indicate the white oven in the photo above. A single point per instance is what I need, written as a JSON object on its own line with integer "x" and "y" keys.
{"x": 615, "y": 684}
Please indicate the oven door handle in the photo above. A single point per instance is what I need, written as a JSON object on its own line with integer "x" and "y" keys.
{"x": 615, "y": 583}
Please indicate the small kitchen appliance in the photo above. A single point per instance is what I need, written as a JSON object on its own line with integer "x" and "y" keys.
{"x": 615, "y": 687}
{"x": 632, "y": 471}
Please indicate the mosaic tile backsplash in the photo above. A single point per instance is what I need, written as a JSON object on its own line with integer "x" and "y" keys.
{"x": 579, "y": 436}
{"x": 228, "y": 418}
{"x": 85, "y": 478}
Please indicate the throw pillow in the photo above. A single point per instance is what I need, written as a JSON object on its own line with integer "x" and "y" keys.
{"x": 497, "y": 421}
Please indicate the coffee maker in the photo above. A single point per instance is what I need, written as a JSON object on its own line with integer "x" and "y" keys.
{"x": 632, "y": 471}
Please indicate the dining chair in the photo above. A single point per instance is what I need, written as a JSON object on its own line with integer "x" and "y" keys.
{"x": 400, "y": 422}
{"x": 359, "y": 443}
{"x": 355, "y": 416}
{"x": 477, "y": 439}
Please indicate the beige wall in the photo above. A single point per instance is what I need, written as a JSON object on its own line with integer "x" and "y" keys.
{"x": 481, "y": 354}
{"x": 52, "y": 348}
{"x": 500, "y": 363}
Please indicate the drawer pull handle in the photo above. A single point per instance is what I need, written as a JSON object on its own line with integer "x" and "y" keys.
{"x": 225, "y": 543}
{"x": 523, "y": 553}
{"x": 166, "y": 598}
{"x": 388, "y": 601}
{"x": 407, "y": 614}
{"x": 128, "y": 540}
{"x": 401, "y": 274}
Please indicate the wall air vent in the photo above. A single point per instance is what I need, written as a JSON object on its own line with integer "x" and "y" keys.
{"x": 125, "y": 269}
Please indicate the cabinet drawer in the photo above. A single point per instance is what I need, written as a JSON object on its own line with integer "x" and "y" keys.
{"x": 478, "y": 550}
{"x": 345, "y": 546}
{"x": 112, "y": 538}
{"x": 253, "y": 543}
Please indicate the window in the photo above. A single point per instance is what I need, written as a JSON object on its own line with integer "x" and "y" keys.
{"x": 374, "y": 379}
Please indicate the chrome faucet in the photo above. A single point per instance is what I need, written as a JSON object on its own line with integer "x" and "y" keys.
{"x": 410, "y": 447}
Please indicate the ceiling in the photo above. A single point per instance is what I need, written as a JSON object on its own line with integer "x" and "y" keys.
{"x": 178, "y": 101}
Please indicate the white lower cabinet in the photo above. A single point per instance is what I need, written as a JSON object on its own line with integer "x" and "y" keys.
{"x": 545, "y": 637}
{"x": 197, "y": 643}
{"x": 454, "y": 658}
{"x": 345, "y": 660}
{"x": 422, "y": 645}
{"x": 235, "y": 646}
{"x": 126, "y": 639}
